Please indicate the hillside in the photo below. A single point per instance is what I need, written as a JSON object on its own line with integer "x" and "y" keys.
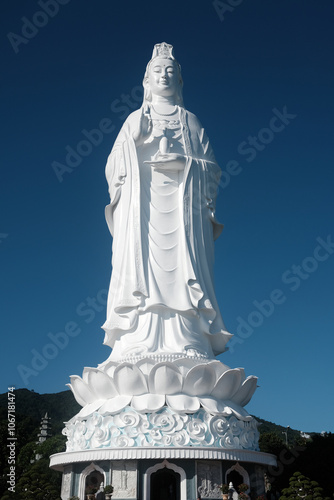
{"x": 60, "y": 407}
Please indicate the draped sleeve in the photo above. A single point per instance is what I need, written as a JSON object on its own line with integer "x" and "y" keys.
{"x": 210, "y": 170}
{"x": 115, "y": 174}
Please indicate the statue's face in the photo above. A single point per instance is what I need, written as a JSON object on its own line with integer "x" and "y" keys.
{"x": 163, "y": 78}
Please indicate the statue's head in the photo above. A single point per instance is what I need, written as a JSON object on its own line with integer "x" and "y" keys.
{"x": 163, "y": 75}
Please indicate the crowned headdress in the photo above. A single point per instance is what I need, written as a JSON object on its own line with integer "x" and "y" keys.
{"x": 163, "y": 50}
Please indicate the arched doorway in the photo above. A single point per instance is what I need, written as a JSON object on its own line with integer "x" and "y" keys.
{"x": 235, "y": 478}
{"x": 93, "y": 482}
{"x": 165, "y": 485}
{"x": 178, "y": 479}
{"x": 237, "y": 475}
{"x": 90, "y": 478}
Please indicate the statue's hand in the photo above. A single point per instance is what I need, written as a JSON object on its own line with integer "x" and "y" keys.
{"x": 144, "y": 128}
{"x": 168, "y": 161}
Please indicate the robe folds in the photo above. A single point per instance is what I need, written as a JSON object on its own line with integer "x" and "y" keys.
{"x": 148, "y": 314}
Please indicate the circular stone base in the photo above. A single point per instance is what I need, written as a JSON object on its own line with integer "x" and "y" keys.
{"x": 60, "y": 459}
{"x": 163, "y": 428}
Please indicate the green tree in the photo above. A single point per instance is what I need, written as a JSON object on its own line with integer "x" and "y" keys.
{"x": 26, "y": 428}
{"x": 317, "y": 460}
{"x": 301, "y": 487}
{"x": 270, "y": 442}
{"x": 39, "y": 482}
{"x": 52, "y": 445}
{"x": 26, "y": 456}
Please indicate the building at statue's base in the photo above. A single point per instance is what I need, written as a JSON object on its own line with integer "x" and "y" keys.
{"x": 171, "y": 429}
{"x": 162, "y": 473}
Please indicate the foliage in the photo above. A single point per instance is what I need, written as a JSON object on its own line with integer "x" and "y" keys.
{"x": 108, "y": 489}
{"x": 52, "y": 445}
{"x": 313, "y": 458}
{"x": 26, "y": 429}
{"x": 270, "y": 442}
{"x": 243, "y": 496}
{"x": 269, "y": 427}
{"x": 26, "y": 456}
{"x": 302, "y": 487}
{"x": 243, "y": 487}
{"x": 39, "y": 482}
{"x": 30, "y": 408}
{"x": 316, "y": 460}
{"x": 60, "y": 407}
{"x": 91, "y": 490}
{"x": 224, "y": 488}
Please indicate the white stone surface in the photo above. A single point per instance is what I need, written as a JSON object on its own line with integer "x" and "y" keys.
{"x": 209, "y": 479}
{"x": 60, "y": 459}
{"x": 183, "y": 385}
{"x": 163, "y": 179}
{"x": 164, "y": 428}
{"x": 66, "y": 482}
{"x": 124, "y": 479}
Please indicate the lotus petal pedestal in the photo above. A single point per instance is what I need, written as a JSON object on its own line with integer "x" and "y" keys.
{"x": 180, "y": 415}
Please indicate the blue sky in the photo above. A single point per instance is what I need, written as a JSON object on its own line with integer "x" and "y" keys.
{"x": 259, "y": 75}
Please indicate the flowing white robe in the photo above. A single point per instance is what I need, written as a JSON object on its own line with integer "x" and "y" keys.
{"x": 161, "y": 296}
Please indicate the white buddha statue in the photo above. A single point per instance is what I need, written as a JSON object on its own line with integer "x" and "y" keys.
{"x": 163, "y": 178}
{"x": 161, "y": 386}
